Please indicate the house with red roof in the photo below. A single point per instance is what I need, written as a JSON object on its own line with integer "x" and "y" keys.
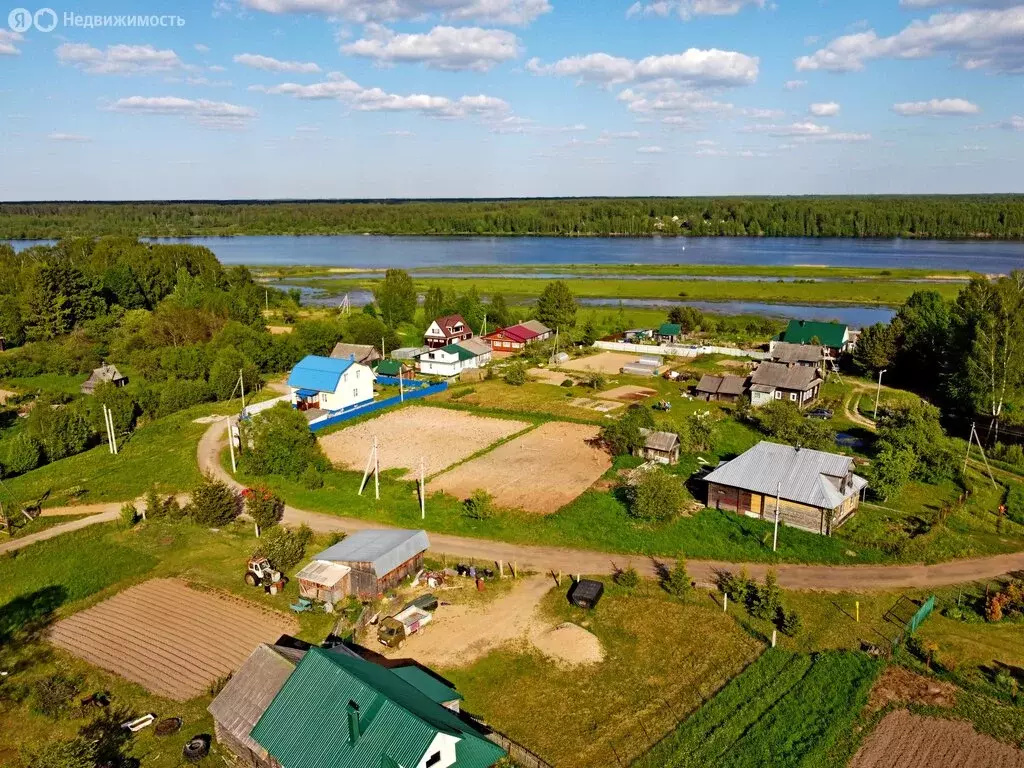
{"x": 516, "y": 337}
{"x": 446, "y": 330}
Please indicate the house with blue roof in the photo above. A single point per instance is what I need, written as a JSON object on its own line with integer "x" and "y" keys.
{"x": 330, "y": 384}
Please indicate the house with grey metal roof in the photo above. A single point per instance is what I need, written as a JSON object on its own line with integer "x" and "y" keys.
{"x": 367, "y": 354}
{"x": 727, "y": 387}
{"x": 776, "y": 381}
{"x": 662, "y": 447}
{"x": 379, "y": 559}
{"x": 813, "y": 490}
{"x": 807, "y": 355}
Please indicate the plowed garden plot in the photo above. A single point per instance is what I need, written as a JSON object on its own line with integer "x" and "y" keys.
{"x": 627, "y": 393}
{"x": 440, "y": 436}
{"x": 903, "y": 740}
{"x": 168, "y": 638}
{"x": 603, "y": 362}
{"x": 541, "y": 471}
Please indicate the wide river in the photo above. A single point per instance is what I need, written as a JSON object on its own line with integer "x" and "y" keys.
{"x": 374, "y": 252}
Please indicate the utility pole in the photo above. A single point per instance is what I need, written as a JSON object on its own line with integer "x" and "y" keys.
{"x": 266, "y": 294}
{"x": 878, "y": 392}
{"x": 401, "y": 386}
{"x": 975, "y": 438}
{"x": 382, "y": 353}
{"x": 241, "y": 383}
{"x": 775, "y": 538}
{"x": 376, "y": 470}
{"x": 423, "y": 490}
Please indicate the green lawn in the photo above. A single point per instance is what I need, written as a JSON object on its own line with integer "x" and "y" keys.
{"x": 160, "y": 453}
{"x": 785, "y": 710}
{"x": 658, "y": 667}
{"x": 55, "y": 578}
{"x": 47, "y": 382}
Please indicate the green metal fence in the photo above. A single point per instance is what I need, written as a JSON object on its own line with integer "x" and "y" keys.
{"x": 922, "y": 613}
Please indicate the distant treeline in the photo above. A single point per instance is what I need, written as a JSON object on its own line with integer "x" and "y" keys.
{"x": 975, "y": 216}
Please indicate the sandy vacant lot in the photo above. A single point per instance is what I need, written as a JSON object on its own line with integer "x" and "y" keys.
{"x": 603, "y": 362}
{"x": 541, "y": 471}
{"x": 545, "y": 376}
{"x": 903, "y": 740}
{"x": 627, "y": 393}
{"x": 441, "y": 436}
{"x": 4, "y": 394}
{"x": 460, "y": 634}
{"x": 168, "y": 638}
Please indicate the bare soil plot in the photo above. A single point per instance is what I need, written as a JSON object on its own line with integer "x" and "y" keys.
{"x": 5, "y": 394}
{"x": 903, "y": 740}
{"x": 460, "y": 634}
{"x": 540, "y": 471}
{"x": 172, "y": 640}
{"x": 604, "y": 406}
{"x": 440, "y": 436}
{"x": 548, "y": 377}
{"x": 603, "y": 362}
{"x": 899, "y": 685}
{"x": 627, "y": 393}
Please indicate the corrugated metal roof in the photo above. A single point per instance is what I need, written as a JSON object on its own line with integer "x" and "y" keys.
{"x": 306, "y": 726}
{"x": 460, "y": 352}
{"x": 732, "y": 385}
{"x": 250, "y": 690}
{"x": 802, "y": 472}
{"x": 476, "y": 346}
{"x": 427, "y": 684}
{"x": 319, "y": 373}
{"x": 536, "y": 326}
{"x": 364, "y": 353}
{"x": 709, "y": 383}
{"x": 802, "y": 331}
{"x": 799, "y": 378}
{"x": 324, "y": 572}
{"x": 670, "y": 329}
{"x": 385, "y": 549}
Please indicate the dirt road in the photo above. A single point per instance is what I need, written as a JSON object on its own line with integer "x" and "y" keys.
{"x": 854, "y": 578}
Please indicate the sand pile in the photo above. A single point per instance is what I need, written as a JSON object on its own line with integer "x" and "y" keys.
{"x": 569, "y": 644}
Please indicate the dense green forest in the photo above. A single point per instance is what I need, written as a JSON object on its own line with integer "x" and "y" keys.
{"x": 982, "y": 216}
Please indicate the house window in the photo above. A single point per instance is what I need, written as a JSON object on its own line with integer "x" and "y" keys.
{"x": 323, "y": 397}
{"x": 792, "y": 396}
{"x": 355, "y": 392}
{"x": 434, "y": 759}
{"x": 778, "y": 395}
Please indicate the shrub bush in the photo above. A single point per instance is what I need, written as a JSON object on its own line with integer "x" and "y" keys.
{"x": 284, "y": 548}
{"x": 655, "y": 496}
{"x": 515, "y": 374}
{"x": 172, "y": 509}
{"x": 55, "y": 693}
{"x": 480, "y": 505}
{"x": 214, "y": 503}
{"x": 312, "y": 480}
{"x": 129, "y": 515}
{"x": 628, "y": 578}
{"x": 677, "y": 581}
{"x": 282, "y": 444}
{"x": 265, "y": 508}
{"x": 154, "y": 507}
{"x": 765, "y": 601}
{"x": 789, "y": 622}
{"x": 24, "y": 453}
{"x": 62, "y": 753}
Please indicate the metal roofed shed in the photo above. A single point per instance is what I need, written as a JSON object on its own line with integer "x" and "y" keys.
{"x": 586, "y": 593}
{"x": 324, "y": 581}
{"x": 379, "y": 559}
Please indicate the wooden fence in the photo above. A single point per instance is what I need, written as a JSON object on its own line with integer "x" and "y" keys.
{"x": 520, "y": 755}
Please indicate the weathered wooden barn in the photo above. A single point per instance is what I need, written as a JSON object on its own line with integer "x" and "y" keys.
{"x": 378, "y": 559}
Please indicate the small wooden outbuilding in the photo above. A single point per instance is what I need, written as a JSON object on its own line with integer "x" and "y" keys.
{"x": 324, "y": 582}
{"x": 378, "y": 559}
{"x": 662, "y": 447}
{"x": 105, "y": 373}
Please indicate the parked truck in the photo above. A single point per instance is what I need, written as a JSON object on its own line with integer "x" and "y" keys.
{"x": 394, "y": 630}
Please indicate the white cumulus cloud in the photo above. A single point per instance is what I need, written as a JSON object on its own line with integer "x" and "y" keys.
{"x": 977, "y": 39}
{"x": 69, "y": 137}
{"x": 651, "y": 150}
{"x": 806, "y": 131}
{"x": 825, "y": 109}
{"x": 505, "y": 12}
{"x": 7, "y": 43}
{"x": 792, "y": 85}
{"x": 697, "y": 66}
{"x": 118, "y": 59}
{"x": 270, "y": 64}
{"x": 936, "y": 107}
{"x": 448, "y": 48}
{"x": 211, "y": 114}
{"x": 687, "y": 9}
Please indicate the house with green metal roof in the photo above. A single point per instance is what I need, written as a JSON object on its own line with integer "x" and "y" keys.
{"x": 835, "y": 336}
{"x": 670, "y": 332}
{"x": 341, "y": 711}
{"x": 453, "y": 359}
{"x": 394, "y": 368}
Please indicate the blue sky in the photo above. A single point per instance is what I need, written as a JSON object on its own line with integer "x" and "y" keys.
{"x": 466, "y": 98}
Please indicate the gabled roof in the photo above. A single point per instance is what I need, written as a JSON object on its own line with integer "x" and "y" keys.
{"x": 364, "y": 353}
{"x": 460, "y": 352}
{"x": 318, "y": 373}
{"x": 517, "y": 333}
{"x": 430, "y": 686}
{"x": 804, "y": 474}
{"x": 105, "y": 373}
{"x": 306, "y": 726}
{"x": 323, "y": 573}
{"x": 659, "y": 441}
{"x": 476, "y": 346}
{"x": 785, "y": 352}
{"x": 384, "y": 549}
{"x": 800, "y": 378}
{"x": 670, "y": 329}
{"x": 802, "y": 331}
{"x": 390, "y": 367}
{"x": 722, "y": 385}
{"x": 242, "y": 702}
{"x": 709, "y": 383}
{"x": 536, "y": 326}
{"x": 448, "y": 322}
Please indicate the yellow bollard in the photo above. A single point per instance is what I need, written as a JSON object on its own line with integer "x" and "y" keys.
{"x": 857, "y": 609}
